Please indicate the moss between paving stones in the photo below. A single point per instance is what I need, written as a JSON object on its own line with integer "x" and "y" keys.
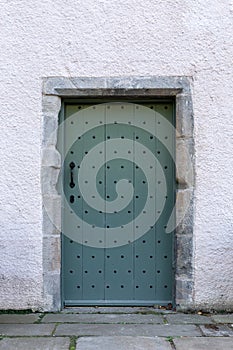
{"x": 40, "y": 317}
{"x": 73, "y": 341}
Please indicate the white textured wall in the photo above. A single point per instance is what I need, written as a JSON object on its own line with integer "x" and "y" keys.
{"x": 105, "y": 38}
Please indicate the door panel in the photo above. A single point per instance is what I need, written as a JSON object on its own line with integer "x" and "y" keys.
{"x": 118, "y": 194}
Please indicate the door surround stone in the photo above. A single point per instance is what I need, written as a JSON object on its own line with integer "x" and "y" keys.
{"x": 153, "y": 87}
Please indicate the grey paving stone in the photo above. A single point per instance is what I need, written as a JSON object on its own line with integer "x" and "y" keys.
{"x": 103, "y": 318}
{"x": 188, "y": 319}
{"x": 16, "y": 318}
{"x": 122, "y": 343}
{"x": 214, "y": 330}
{"x": 203, "y": 343}
{"x": 127, "y": 330}
{"x": 26, "y": 329}
{"x": 223, "y": 318}
{"x": 35, "y": 343}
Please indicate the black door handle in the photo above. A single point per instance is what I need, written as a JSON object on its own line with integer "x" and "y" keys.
{"x": 72, "y": 166}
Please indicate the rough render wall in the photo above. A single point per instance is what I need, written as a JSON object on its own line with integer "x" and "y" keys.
{"x": 107, "y": 38}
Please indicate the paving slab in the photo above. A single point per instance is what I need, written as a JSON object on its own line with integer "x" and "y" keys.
{"x": 214, "y": 330}
{"x": 223, "y": 318}
{"x": 126, "y": 330}
{"x": 122, "y": 343}
{"x": 188, "y": 319}
{"x": 103, "y": 318}
{"x": 203, "y": 343}
{"x": 34, "y": 343}
{"x": 17, "y": 318}
{"x": 26, "y": 329}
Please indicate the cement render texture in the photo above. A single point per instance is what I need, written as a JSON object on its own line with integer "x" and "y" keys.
{"x": 92, "y": 38}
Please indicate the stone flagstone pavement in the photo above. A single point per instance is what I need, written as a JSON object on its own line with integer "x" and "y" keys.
{"x": 116, "y": 328}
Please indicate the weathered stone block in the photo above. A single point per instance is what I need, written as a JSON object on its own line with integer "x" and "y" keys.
{"x": 51, "y": 105}
{"x": 51, "y": 84}
{"x": 184, "y": 293}
{"x": 51, "y": 157}
{"x": 52, "y": 207}
{"x": 50, "y": 129}
{"x": 64, "y": 85}
{"x": 184, "y": 253}
{"x": 52, "y": 247}
{"x": 184, "y": 211}
{"x": 49, "y": 179}
{"x": 184, "y": 116}
{"x": 49, "y": 227}
{"x": 52, "y": 294}
{"x": 184, "y": 163}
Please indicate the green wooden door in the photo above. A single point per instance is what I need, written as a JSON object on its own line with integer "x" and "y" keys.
{"x": 118, "y": 196}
